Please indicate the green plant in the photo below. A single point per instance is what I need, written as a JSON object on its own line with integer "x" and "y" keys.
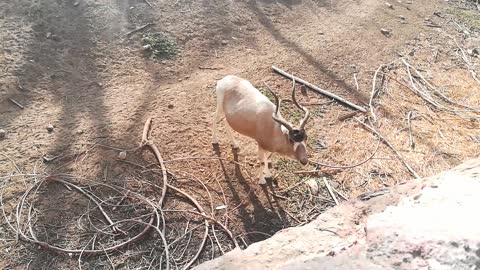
{"x": 266, "y": 93}
{"x": 159, "y": 45}
{"x": 289, "y": 111}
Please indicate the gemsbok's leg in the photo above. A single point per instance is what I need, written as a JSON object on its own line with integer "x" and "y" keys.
{"x": 218, "y": 115}
{"x": 264, "y": 171}
{"x": 233, "y": 142}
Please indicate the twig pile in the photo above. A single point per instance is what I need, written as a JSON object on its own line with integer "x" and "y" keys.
{"x": 434, "y": 97}
{"x": 110, "y": 224}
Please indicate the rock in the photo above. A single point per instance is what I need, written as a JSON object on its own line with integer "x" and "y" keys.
{"x": 313, "y": 185}
{"x": 397, "y": 230}
{"x": 389, "y": 5}
{"x": 122, "y": 155}
{"x": 224, "y": 42}
{"x": 170, "y": 106}
{"x": 474, "y": 52}
{"x": 3, "y": 133}
{"x": 429, "y": 230}
{"x": 50, "y": 128}
{"x": 48, "y": 35}
{"x": 386, "y": 32}
{"x": 55, "y": 38}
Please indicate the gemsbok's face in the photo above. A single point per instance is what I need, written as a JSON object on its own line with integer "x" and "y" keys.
{"x": 298, "y": 139}
{"x": 296, "y": 134}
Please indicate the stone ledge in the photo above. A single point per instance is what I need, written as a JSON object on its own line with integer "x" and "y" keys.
{"x": 364, "y": 234}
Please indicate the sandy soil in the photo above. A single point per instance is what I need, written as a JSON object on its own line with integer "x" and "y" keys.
{"x": 70, "y": 64}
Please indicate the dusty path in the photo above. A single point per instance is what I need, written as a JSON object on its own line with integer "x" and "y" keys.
{"x": 70, "y": 65}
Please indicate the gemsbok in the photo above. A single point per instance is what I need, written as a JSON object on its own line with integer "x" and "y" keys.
{"x": 249, "y": 112}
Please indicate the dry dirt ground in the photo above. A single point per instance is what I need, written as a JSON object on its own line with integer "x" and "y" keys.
{"x": 70, "y": 64}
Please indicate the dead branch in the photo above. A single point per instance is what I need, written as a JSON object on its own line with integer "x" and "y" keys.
{"x": 204, "y": 215}
{"x": 325, "y": 171}
{"x": 348, "y": 166}
{"x": 421, "y": 90}
{"x": 210, "y": 68}
{"x": 33, "y": 239}
{"x": 340, "y": 194}
{"x": 371, "y": 129}
{"x": 216, "y": 239}
{"x": 468, "y": 62}
{"x": 356, "y": 82}
{"x": 292, "y": 216}
{"x": 148, "y": 3}
{"x": 16, "y": 103}
{"x": 346, "y": 116}
{"x": 202, "y": 245}
{"x": 276, "y": 195}
{"x": 149, "y": 143}
{"x": 13, "y": 163}
{"x": 316, "y": 103}
{"x": 100, "y": 208}
{"x": 139, "y": 28}
{"x": 329, "y": 188}
{"x": 410, "y": 136}
{"x": 444, "y": 97}
{"x": 145, "y": 141}
{"x": 319, "y": 90}
{"x": 372, "y": 194}
{"x": 373, "y": 93}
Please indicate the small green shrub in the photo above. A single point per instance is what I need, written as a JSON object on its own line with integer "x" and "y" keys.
{"x": 159, "y": 45}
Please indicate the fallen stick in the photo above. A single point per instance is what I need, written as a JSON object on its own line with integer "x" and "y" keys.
{"x": 309, "y": 172}
{"x": 147, "y": 142}
{"x": 319, "y": 90}
{"x": 346, "y": 116}
{"x": 435, "y": 90}
{"x": 411, "y": 143}
{"x": 317, "y": 103}
{"x": 329, "y": 188}
{"x": 373, "y": 93}
{"x": 340, "y": 194}
{"x": 356, "y": 82}
{"x": 348, "y": 166}
{"x": 211, "y": 68}
{"x": 148, "y": 3}
{"x": 138, "y": 29}
{"x": 371, "y": 129}
{"x": 16, "y": 103}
